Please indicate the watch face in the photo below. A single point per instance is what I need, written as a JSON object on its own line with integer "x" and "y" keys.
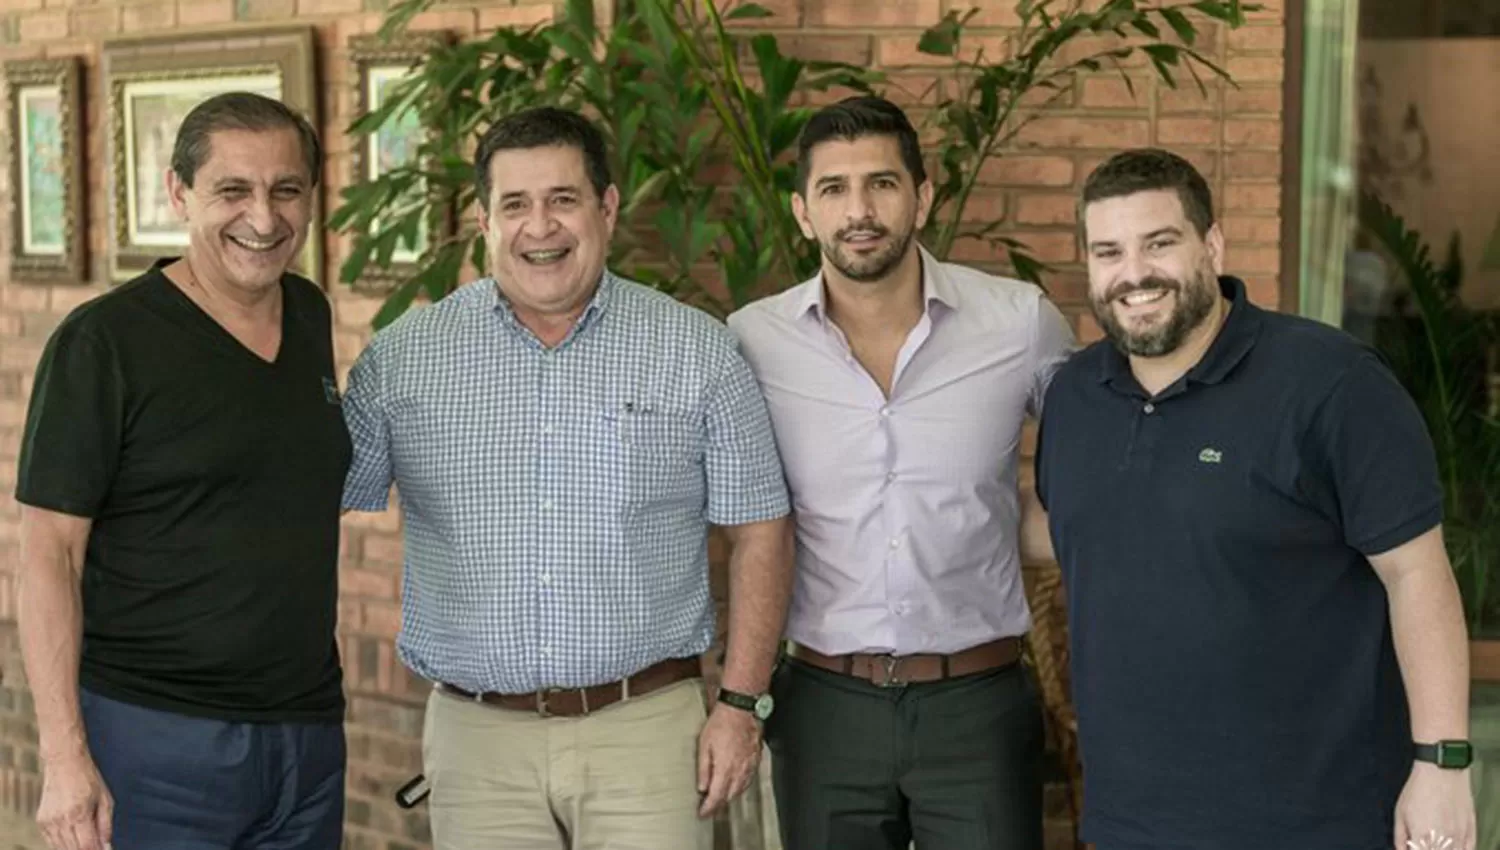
{"x": 1455, "y": 754}
{"x": 764, "y": 705}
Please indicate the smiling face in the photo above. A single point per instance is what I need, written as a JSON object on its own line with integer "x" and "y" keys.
{"x": 1152, "y": 279}
{"x": 861, "y": 205}
{"x": 248, "y": 209}
{"x": 546, "y": 230}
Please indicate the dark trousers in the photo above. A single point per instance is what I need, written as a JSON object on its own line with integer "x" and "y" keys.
{"x": 188, "y": 783}
{"x": 956, "y": 764}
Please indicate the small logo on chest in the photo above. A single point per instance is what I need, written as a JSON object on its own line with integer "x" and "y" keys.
{"x": 1210, "y": 455}
{"x": 331, "y": 391}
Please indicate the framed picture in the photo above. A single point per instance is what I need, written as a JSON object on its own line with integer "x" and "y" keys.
{"x": 378, "y": 67}
{"x": 151, "y": 85}
{"x": 46, "y": 156}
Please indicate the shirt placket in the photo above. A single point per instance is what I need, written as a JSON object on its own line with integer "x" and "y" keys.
{"x": 546, "y": 510}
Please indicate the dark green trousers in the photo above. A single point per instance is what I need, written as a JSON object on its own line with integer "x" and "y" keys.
{"x": 955, "y": 765}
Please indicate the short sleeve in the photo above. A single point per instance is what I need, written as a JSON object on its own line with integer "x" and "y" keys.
{"x": 70, "y": 448}
{"x": 1039, "y": 461}
{"x": 367, "y": 486}
{"x": 1378, "y": 458}
{"x": 745, "y": 479}
{"x": 1052, "y": 344}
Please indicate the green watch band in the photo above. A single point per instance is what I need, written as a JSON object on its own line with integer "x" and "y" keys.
{"x": 760, "y": 706}
{"x": 1453, "y": 755}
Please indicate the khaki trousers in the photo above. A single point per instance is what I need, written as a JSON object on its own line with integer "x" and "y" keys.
{"x": 623, "y": 778}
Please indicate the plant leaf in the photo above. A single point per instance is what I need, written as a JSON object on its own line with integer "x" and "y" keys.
{"x": 747, "y": 11}
{"x": 1180, "y": 24}
{"x": 942, "y": 38}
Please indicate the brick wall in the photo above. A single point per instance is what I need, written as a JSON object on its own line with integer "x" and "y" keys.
{"x": 1234, "y": 135}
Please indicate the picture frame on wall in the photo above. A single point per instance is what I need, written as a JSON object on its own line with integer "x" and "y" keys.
{"x": 45, "y": 134}
{"x": 377, "y": 67}
{"x": 151, "y": 85}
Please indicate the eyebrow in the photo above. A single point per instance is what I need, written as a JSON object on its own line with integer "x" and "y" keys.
{"x": 241, "y": 182}
{"x": 833, "y": 179}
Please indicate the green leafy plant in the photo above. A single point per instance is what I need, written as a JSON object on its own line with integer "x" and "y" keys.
{"x": 702, "y": 119}
{"x": 1441, "y": 350}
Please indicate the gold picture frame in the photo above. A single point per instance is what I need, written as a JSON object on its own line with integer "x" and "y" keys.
{"x": 45, "y": 150}
{"x": 376, "y": 65}
{"x": 151, "y": 84}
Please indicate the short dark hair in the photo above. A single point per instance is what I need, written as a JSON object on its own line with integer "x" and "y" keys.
{"x": 854, "y": 118}
{"x": 1153, "y": 169}
{"x": 240, "y": 110}
{"x": 540, "y": 127}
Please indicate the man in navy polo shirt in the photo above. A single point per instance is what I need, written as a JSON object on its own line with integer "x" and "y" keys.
{"x": 1246, "y": 509}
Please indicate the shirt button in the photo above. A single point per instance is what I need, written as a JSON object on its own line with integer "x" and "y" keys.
{"x": 546, "y": 504}
{"x": 890, "y": 476}
{"x": 1149, "y": 408}
{"x": 546, "y": 650}
{"x": 545, "y": 578}
{"x": 885, "y": 411}
{"x": 902, "y": 609}
{"x": 895, "y": 543}
{"x": 547, "y": 429}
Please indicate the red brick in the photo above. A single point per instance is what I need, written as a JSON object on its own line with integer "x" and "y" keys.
{"x": 497, "y": 17}
{"x": 1088, "y": 329}
{"x": 1252, "y": 98}
{"x": 1264, "y": 290}
{"x": 1270, "y": 10}
{"x": 1086, "y": 46}
{"x": 1047, "y": 209}
{"x": 65, "y": 299}
{"x": 25, "y": 297}
{"x": 1014, "y": 170}
{"x": 1067, "y": 288}
{"x": 44, "y": 26}
{"x": 264, "y": 10}
{"x": 864, "y": 14}
{"x": 1247, "y": 229}
{"x": 197, "y": 13}
{"x": 1070, "y": 132}
{"x": 905, "y": 90}
{"x": 12, "y": 412}
{"x": 382, "y": 549}
{"x": 326, "y": 8}
{"x": 1257, "y": 37}
{"x": 982, "y": 207}
{"x": 1187, "y": 131}
{"x": 991, "y": 13}
{"x": 1252, "y": 133}
{"x": 382, "y": 618}
{"x": 1253, "y": 196}
{"x": 1111, "y": 92}
{"x": 1253, "y": 260}
{"x": 899, "y": 51}
{"x": 1047, "y": 246}
{"x": 1188, "y": 98}
{"x": 95, "y": 21}
{"x": 1256, "y": 69}
{"x": 368, "y": 584}
{"x": 458, "y": 20}
{"x": 1252, "y": 164}
{"x": 851, "y": 49}
{"x": 20, "y": 5}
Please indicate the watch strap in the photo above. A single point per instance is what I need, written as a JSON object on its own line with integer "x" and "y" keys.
{"x": 1454, "y": 755}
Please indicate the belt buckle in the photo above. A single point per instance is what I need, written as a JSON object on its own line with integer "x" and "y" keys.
{"x": 890, "y": 664}
{"x": 541, "y": 701}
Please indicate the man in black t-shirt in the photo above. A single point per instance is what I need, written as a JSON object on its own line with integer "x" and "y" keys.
{"x": 1268, "y": 644}
{"x": 180, "y": 477}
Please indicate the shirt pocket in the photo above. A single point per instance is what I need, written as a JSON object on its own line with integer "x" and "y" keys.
{"x": 660, "y": 453}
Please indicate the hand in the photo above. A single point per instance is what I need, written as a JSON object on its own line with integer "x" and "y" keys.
{"x": 1436, "y": 804}
{"x": 76, "y": 809}
{"x": 728, "y": 755}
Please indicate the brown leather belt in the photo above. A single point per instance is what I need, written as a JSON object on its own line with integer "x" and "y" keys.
{"x": 577, "y": 702}
{"x": 894, "y": 671}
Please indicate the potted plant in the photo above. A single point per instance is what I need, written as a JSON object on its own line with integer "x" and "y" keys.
{"x": 1444, "y": 352}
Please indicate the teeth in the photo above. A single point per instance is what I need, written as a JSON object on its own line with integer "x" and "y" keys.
{"x": 545, "y": 256}
{"x": 862, "y": 237}
{"x": 255, "y": 244}
{"x": 1135, "y": 299}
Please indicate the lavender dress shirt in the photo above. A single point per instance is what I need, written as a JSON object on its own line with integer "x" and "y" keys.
{"x": 907, "y": 510}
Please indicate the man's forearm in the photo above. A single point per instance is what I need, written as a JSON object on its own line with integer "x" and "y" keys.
{"x": 50, "y": 620}
{"x": 760, "y": 585}
{"x": 1432, "y": 647}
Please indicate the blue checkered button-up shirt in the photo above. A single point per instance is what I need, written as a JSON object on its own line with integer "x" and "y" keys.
{"x": 556, "y": 502}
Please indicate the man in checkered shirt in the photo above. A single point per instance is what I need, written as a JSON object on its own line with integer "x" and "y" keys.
{"x": 560, "y": 439}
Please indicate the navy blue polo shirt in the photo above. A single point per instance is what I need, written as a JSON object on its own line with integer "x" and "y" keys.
{"x": 1233, "y": 667}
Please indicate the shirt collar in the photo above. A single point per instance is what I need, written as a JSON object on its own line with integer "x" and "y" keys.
{"x": 494, "y": 301}
{"x": 1233, "y": 342}
{"x": 936, "y": 288}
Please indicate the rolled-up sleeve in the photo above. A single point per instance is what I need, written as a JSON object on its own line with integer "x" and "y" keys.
{"x": 367, "y": 487}
{"x": 745, "y": 479}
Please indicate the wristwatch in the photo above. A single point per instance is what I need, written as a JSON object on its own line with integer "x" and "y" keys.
{"x": 1454, "y": 755}
{"x": 760, "y": 706}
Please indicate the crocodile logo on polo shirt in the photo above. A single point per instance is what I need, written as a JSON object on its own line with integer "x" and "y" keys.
{"x": 1210, "y": 455}
{"x": 331, "y": 392}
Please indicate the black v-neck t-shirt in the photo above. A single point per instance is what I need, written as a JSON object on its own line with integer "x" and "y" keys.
{"x": 213, "y": 479}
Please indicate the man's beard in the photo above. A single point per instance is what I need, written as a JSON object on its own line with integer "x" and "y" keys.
{"x": 870, "y": 267}
{"x": 1195, "y": 301}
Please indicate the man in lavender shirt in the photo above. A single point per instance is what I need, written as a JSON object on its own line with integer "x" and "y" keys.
{"x": 898, "y": 386}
